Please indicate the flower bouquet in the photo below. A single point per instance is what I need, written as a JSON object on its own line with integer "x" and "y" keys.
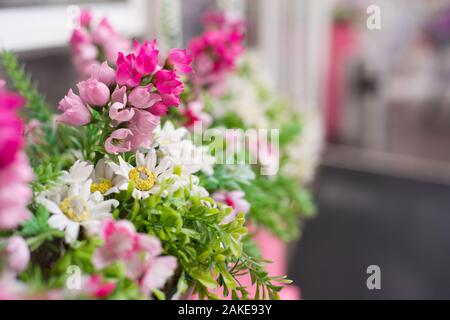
{"x": 119, "y": 196}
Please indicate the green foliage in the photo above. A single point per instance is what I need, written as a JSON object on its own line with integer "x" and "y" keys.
{"x": 190, "y": 229}
{"x": 46, "y": 174}
{"x": 36, "y": 106}
{"x": 277, "y": 203}
{"x": 37, "y": 231}
{"x": 227, "y": 177}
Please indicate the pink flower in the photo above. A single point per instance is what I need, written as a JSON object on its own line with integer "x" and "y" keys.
{"x": 142, "y": 126}
{"x": 159, "y": 109}
{"x": 11, "y": 139}
{"x": 167, "y": 82}
{"x": 15, "y": 194}
{"x": 194, "y": 113}
{"x": 133, "y": 67}
{"x": 89, "y": 41}
{"x": 118, "y": 110}
{"x": 85, "y": 18}
{"x": 103, "y": 73}
{"x": 103, "y": 32}
{"x": 158, "y": 272}
{"x": 93, "y": 92}
{"x": 119, "y": 141}
{"x": 180, "y": 61}
{"x": 234, "y": 199}
{"x": 126, "y": 74}
{"x": 121, "y": 243}
{"x": 142, "y": 98}
{"x": 171, "y": 100}
{"x": 75, "y": 112}
{"x": 95, "y": 286}
{"x": 146, "y": 57}
{"x": 17, "y": 254}
{"x": 34, "y": 131}
{"x": 119, "y": 113}
{"x": 10, "y": 100}
{"x": 214, "y": 56}
{"x": 11, "y": 126}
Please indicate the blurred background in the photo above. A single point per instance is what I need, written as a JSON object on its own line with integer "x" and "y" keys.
{"x": 380, "y": 88}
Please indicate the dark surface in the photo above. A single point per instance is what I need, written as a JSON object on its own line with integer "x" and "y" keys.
{"x": 401, "y": 225}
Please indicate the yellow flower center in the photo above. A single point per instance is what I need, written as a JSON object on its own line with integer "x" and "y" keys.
{"x": 143, "y": 178}
{"x": 75, "y": 208}
{"x": 103, "y": 186}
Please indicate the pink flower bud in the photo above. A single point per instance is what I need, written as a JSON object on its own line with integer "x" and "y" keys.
{"x": 18, "y": 254}
{"x": 159, "y": 109}
{"x": 74, "y": 110}
{"x": 93, "y": 92}
{"x": 85, "y": 18}
{"x": 103, "y": 73}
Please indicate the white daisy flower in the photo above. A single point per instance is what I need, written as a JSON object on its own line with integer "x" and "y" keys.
{"x": 147, "y": 176}
{"x": 73, "y": 206}
{"x": 191, "y": 181}
{"x": 168, "y": 138}
{"x": 193, "y": 159}
{"x": 104, "y": 180}
{"x": 79, "y": 172}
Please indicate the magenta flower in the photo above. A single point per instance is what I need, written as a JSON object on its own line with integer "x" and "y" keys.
{"x": 234, "y": 199}
{"x": 167, "y": 82}
{"x": 75, "y": 112}
{"x": 11, "y": 126}
{"x": 159, "y": 109}
{"x": 94, "y": 92}
{"x": 214, "y": 56}
{"x": 17, "y": 254}
{"x": 126, "y": 73}
{"x": 146, "y": 57}
{"x": 15, "y": 194}
{"x": 85, "y": 18}
{"x": 95, "y": 286}
{"x": 180, "y": 61}
{"x": 10, "y": 100}
{"x": 119, "y": 141}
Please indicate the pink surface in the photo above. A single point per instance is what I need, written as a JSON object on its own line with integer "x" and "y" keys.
{"x": 341, "y": 47}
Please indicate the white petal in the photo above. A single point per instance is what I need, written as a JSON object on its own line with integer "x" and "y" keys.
{"x": 104, "y": 206}
{"x": 58, "y": 221}
{"x": 163, "y": 166}
{"x": 150, "y": 160}
{"x": 51, "y": 206}
{"x": 140, "y": 159}
{"x": 85, "y": 189}
{"x": 79, "y": 172}
{"x": 72, "y": 230}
